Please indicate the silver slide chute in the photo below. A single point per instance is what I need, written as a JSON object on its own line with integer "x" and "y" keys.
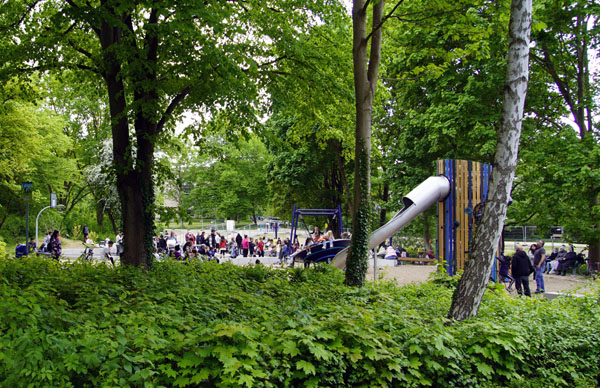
{"x": 432, "y": 190}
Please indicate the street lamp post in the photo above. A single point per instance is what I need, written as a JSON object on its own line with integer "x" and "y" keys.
{"x": 52, "y": 205}
{"x": 26, "y": 187}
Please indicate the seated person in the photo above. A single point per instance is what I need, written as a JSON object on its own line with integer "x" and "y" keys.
{"x": 194, "y": 254}
{"x": 177, "y": 253}
{"x": 157, "y": 255}
{"x": 187, "y": 248}
{"x": 390, "y": 253}
{"x": 549, "y": 259}
{"x": 308, "y": 243}
{"x": 567, "y": 262}
{"x": 559, "y": 258}
{"x": 326, "y": 239}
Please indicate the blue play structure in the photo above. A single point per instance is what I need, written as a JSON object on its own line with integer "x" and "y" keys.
{"x": 460, "y": 211}
{"x": 318, "y": 252}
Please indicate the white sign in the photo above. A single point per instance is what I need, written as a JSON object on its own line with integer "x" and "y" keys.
{"x": 230, "y": 225}
{"x": 53, "y": 200}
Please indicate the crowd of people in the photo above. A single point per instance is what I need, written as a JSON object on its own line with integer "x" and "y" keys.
{"x": 522, "y": 264}
{"x": 216, "y": 246}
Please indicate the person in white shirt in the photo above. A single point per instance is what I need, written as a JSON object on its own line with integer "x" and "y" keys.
{"x": 119, "y": 243}
{"x": 106, "y": 253}
{"x": 390, "y": 253}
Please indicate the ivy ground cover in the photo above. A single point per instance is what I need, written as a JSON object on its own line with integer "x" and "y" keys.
{"x": 210, "y": 325}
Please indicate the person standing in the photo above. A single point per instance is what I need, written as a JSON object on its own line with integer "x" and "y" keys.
{"x": 539, "y": 258}
{"x": 31, "y": 247}
{"x": 261, "y": 247}
{"x": 222, "y": 247}
{"x": 54, "y": 245}
{"x": 86, "y": 231}
{"x": 46, "y": 242}
{"x": 251, "y": 247}
{"x": 202, "y": 239}
{"x": 245, "y": 246}
{"x": 119, "y": 244}
{"x": 530, "y": 254}
{"x": 238, "y": 240}
{"x": 521, "y": 268}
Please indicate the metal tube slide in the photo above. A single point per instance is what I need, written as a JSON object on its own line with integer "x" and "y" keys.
{"x": 432, "y": 190}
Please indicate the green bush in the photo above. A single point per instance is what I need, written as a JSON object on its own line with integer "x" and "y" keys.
{"x": 206, "y": 325}
{"x": 583, "y": 270}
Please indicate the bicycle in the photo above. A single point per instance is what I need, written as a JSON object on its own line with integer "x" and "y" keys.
{"x": 88, "y": 253}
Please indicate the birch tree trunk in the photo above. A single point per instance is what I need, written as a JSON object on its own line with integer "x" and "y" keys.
{"x": 469, "y": 292}
{"x": 365, "y": 83}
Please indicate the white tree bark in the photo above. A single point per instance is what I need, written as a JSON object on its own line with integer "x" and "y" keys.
{"x": 470, "y": 290}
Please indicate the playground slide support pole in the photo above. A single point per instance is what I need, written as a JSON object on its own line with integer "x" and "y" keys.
{"x": 340, "y": 223}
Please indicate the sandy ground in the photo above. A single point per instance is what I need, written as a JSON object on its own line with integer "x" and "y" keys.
{"x": 406, "y": 274}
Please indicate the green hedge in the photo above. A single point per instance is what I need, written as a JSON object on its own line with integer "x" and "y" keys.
{"x": 206, "y": 325}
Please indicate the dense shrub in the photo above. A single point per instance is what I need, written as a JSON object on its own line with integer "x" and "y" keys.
{"x": 221, "y": 325}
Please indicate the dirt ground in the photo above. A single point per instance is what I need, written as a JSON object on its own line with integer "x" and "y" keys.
{"x": 406, "y": 274}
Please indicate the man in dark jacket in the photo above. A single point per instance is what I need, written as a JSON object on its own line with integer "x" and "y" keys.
{"x": 521, "y": 269}
{"x": 238, "y": 241}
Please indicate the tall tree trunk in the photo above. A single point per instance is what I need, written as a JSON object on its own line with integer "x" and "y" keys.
{"x": 594, "y": 252}
{"x": 342, "y": 172}
{"x": 99, "y": 214}
{"x": 134, "y": 181}
{"x": 469, "y": 292}
{"x": 365, "y": 83}
{"x": 112, "y": 220}
{"x": 10, "y": 199}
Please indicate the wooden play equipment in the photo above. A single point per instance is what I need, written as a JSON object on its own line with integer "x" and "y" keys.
{"x": 460, "y": 211}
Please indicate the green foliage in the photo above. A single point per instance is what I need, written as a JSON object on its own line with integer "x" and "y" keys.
{"x": 211, "y": 325}
{"x": 230, "y": 186}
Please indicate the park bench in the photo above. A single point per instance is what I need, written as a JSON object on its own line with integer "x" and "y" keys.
{"x": 409, "y": 259}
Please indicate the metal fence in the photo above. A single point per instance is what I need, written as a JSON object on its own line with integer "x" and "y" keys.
{"x": 531, "y": 233}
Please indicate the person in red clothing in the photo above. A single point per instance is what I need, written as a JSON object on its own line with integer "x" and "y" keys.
{"x": 223, "y": 246}
{"x": 261, "y": 247}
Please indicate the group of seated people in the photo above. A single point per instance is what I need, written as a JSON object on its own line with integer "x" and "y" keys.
{"x": 560, "y": 261}
{"x": 388, "y": 252}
